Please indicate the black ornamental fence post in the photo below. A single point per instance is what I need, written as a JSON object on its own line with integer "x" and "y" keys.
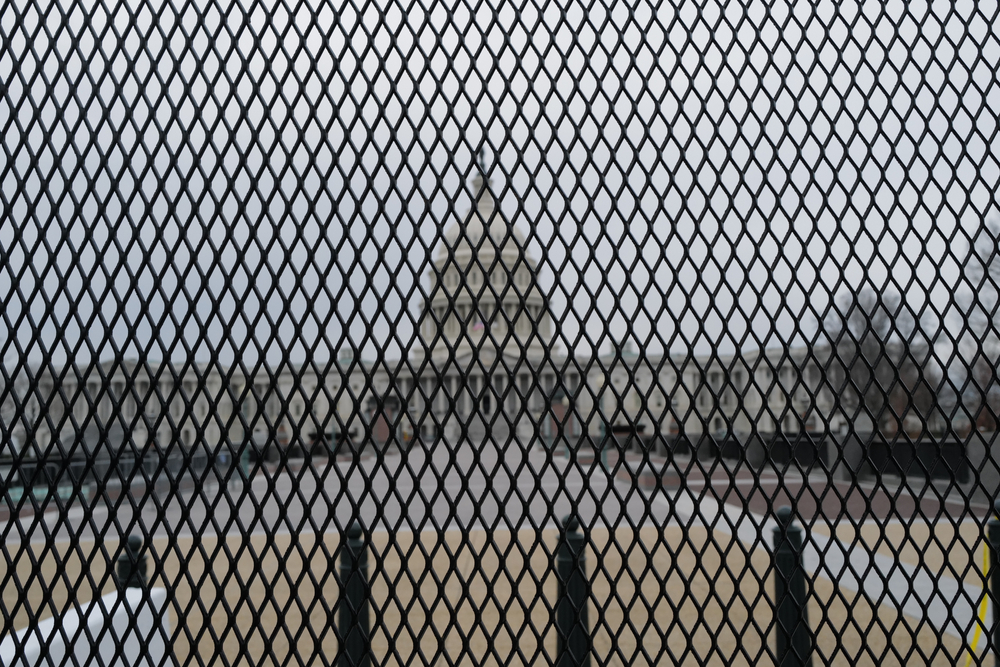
{"x": 993, "y": 537}
{"x": 131, "y": 568}
{"x": 794, "y": 637}
{"x": 573, "y": 644}
{"x": 353, "y": 622}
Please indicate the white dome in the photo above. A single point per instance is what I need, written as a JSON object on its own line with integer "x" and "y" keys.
{"x": 481, "y": 268}
{"x": 468, "y": 236}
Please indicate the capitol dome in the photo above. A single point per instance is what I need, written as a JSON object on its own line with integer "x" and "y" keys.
{"x": 483, "y": 284}
{"x": 467, "y": 236}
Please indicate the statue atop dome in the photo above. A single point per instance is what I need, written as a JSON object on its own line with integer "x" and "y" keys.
{"x": 482, "y": 161}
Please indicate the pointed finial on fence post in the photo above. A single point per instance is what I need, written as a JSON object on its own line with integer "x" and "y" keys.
{"x": 572, "y": 627}
{"x": 794, "y": 640}
{"x": 354, "y": 627}
{"x": 132, "y": 564}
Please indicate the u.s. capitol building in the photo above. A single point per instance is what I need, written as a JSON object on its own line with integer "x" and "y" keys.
{"x": 486, "y": 367}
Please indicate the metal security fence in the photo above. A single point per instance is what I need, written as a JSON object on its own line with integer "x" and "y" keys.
{"x": 450, "y": 332}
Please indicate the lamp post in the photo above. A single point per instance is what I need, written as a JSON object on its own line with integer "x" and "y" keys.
{"x": 604, "y": 443}
{"x": 564, "y": 421}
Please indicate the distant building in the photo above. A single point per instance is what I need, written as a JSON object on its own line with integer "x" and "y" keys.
{"x": 485, "y": 332}
{"x": 485, "y": 367}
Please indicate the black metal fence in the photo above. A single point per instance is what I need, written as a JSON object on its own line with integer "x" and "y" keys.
{"x": 553, "y": 305}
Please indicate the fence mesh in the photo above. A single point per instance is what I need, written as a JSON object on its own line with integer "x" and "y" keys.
{"x": 448, "y": 332}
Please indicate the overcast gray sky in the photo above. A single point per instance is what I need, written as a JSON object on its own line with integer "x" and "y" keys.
{"x": 693, "y": 169}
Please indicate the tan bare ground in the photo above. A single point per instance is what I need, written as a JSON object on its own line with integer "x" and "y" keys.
{"x": 943, "y": 547}
{"x": 671, "y": 597}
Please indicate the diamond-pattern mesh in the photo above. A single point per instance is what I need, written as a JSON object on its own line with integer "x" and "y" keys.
{"x": 343, "y": 307}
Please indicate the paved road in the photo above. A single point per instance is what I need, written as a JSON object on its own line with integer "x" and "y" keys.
{"x": 438, "y": 488}
{"x": 814, "y": 496}
{"x": 460, "y": 486}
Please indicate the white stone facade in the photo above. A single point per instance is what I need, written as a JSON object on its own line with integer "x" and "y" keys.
{"x": 219, "y": 408}
{"x": 485, "y": 368}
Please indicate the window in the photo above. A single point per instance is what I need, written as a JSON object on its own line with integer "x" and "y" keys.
{"x": 129, "y": 410}
{"x": 57, "y": 408}
{"x": 715, "y": 380}
{"x": 146, "y": 402}
{"x": 177, "y": 405}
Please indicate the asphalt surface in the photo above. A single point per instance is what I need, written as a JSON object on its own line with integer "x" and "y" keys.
{"x": 813, "y": 493}
{"x": 460, "y": 486}
{"x": 435, "y": 488}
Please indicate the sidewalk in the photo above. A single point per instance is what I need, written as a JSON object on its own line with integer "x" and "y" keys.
{"x": 930, "y": 571}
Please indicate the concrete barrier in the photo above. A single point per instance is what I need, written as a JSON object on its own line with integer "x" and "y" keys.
{"x": 102, "y": 632}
